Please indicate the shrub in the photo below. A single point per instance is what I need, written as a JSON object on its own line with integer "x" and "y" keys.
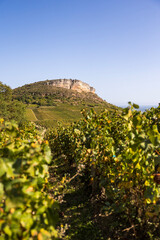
{"x": 119, "y": 153}
{"x": 26, "y": 209}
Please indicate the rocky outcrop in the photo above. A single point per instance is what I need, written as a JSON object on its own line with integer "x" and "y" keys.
{"x": 76, "y": 85}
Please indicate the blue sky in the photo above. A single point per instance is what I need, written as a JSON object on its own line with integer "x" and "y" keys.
{"x": 113, "y": 45}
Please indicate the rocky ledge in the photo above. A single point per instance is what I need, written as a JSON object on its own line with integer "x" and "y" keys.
{"x": 76, "y": 85}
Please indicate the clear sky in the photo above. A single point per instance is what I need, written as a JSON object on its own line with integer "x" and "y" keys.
{"x": 113, "y": 45}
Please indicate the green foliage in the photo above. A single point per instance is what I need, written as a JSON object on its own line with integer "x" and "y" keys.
{"x": 30, "y": 115}
{"x": 9, "y": 108}
{"x": 26, "y": 209}
{"x": 50, "y": 104}
{"x": 5, "y": 92}
{"x": 65, "y": 113}
{"x": 44, "y": 95}
{"x": 119, "y": 155}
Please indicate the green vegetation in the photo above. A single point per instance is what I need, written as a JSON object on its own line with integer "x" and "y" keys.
{"x": 44, "y": 95}
{"x": 48, "y": 105}
{"x": 9, "y": 108}
{"x": 106, "y": 164}
{"x": 26, "y": 209}
{"x": 102, "y": 178}
{"x": 30, "y": 115}
{"x": 50, "y": 116}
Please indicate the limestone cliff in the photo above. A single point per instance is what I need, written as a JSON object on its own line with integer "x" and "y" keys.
{"x": 76, "y": 85}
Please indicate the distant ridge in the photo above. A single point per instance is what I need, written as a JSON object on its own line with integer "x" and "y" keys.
{"x": 59, "y": 100}
{"x": 58, "y": 90}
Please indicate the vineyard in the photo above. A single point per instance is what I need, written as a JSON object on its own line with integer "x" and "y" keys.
{"x": 95, "y": 179}
{"x": 26, "y": 210}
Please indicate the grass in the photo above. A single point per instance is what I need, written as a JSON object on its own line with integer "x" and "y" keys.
{"x": 30, "y": 115}
{"x": 65, "y": 113}
{"x": 48, "y": 105}
{"x": 57, "y": 113}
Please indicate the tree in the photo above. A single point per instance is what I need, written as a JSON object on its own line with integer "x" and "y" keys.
{"x": 9, "y": 108}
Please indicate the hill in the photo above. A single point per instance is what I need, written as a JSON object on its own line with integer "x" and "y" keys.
{"x": 61, "y": 100}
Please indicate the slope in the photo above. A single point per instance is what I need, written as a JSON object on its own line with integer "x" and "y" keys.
{"x": 48, "y": 104}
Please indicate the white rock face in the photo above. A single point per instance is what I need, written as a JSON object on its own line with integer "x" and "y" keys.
{"x": 76, "y": 85}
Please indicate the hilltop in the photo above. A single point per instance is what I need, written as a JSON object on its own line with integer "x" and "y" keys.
{"x": 49, "y": 92}
{"x": 62, "y": 100}
{"x": 73, "y": 84}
